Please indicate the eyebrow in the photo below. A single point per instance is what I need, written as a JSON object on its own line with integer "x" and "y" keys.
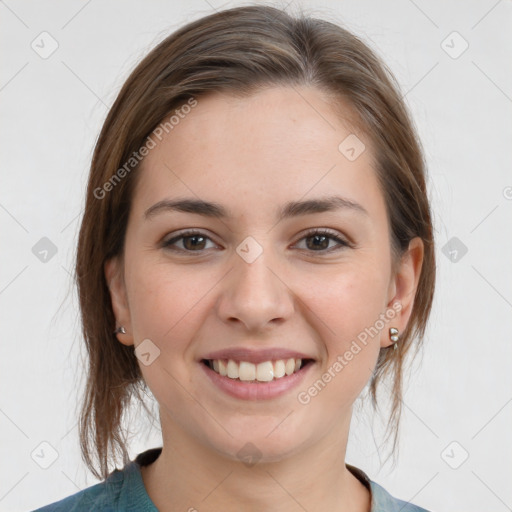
{"x": 289, "y": 210}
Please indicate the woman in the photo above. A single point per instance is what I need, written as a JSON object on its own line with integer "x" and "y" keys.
{"x": 256, "y": 248}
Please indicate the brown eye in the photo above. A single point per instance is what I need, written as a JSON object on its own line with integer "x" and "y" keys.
{"x": 192, "y": 241}
{"x": 319, "y": 240}
{"x": 316, "y": 241}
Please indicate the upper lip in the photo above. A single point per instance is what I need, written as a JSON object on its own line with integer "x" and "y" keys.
{"x": 255, "y": 356}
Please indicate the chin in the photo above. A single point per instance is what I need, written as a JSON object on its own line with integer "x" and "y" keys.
{"x": 260, "y": 446}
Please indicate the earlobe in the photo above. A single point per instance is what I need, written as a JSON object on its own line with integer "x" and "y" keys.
{"x": 115, "y": 282}
{"x": 403, "y": 287}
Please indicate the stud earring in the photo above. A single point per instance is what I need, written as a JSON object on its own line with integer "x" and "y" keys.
{"x": 393, "y": 336}
{"x": 120, "y": 330}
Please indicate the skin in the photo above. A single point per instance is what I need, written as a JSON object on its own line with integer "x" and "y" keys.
{"x": 253, "y": 155}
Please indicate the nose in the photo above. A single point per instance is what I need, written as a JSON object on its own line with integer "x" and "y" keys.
{"x": 255, "y": 295}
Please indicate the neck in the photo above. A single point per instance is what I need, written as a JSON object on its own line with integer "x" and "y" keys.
{"x": 189, "y": 476}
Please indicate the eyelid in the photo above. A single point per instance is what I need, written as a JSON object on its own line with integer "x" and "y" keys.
{"x": 341, "y": 240}
{"x": 166, "y": 242}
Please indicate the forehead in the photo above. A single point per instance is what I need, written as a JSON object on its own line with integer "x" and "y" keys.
{"x": 275, "y": 145}
{"x": 272, "y": 121}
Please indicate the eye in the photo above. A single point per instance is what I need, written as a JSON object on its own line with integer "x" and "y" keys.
{"x": 320, "y": 239}
{"x": 193, "y": 241}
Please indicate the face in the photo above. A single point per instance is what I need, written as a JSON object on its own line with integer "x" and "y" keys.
{"x": 256, "y": 285}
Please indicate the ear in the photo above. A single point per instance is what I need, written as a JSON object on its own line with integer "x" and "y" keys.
{"x": 114, "y": 275}
{"x": 402, "y": 288}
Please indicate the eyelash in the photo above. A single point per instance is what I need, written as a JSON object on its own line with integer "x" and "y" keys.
{"x": 167, "y": 244}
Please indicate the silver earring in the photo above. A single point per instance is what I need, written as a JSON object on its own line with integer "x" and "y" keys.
{"x": 393, "y": 336}
{"x": 120, "y": 330}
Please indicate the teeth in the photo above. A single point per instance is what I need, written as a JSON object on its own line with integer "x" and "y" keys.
{"x": 279, "y": 369}
{"x": 222, "y": 367}
{"x": 262, "y": 372}
{"x": 232, "y": 369}
{"x": 290, "y": 366}
{"x": 246, "y": 371}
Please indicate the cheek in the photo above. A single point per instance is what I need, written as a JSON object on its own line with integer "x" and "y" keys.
{"x": 350, "y": 299}
{"x": 165, "y": 309}
{"x": 349, "y": 311}
{"x": 165, "y": 303}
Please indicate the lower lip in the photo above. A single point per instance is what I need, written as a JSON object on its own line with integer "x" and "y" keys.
{"x": 246, "y": 390}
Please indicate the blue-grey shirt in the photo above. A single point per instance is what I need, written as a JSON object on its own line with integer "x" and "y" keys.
{"x": 124, "y": 491}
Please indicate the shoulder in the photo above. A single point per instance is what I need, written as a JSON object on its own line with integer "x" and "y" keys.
{"x": 382, "y": 501}
{"x": 105, "y": 496}
{"x": 95, "y": 498}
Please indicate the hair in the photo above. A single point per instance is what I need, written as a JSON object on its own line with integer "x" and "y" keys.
{"x": 238, "y": 51}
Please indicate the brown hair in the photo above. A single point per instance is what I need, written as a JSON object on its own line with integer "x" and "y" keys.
{"x": 238, "y": 50}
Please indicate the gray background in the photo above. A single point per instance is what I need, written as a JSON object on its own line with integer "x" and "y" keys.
{"x": 458, "y": 401}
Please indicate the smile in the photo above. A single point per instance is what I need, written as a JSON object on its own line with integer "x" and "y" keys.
{"x": 266, "y": 371}
{"x": 264, "y": 380}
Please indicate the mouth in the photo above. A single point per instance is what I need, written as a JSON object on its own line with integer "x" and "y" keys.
{"x": 246, "y": 373}
{"x": 264, "y": 371}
